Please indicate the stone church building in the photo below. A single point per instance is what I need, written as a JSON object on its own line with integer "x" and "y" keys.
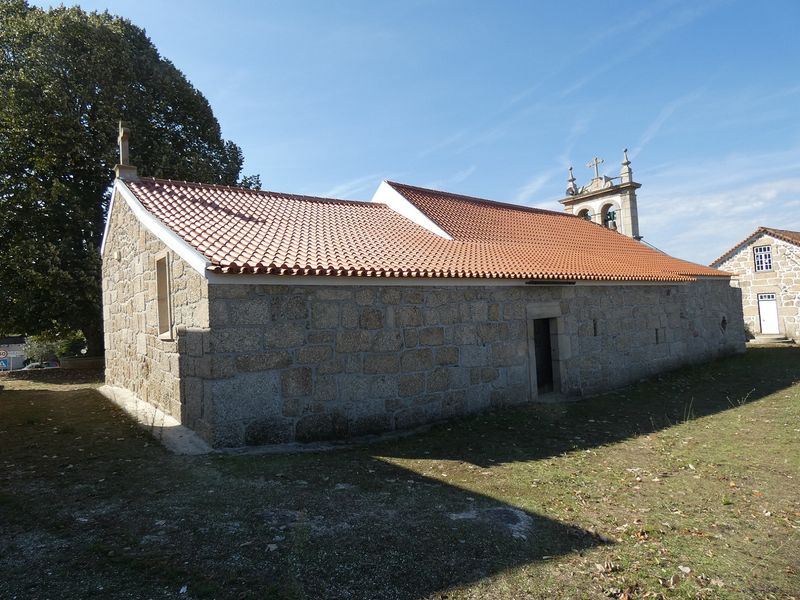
{"x": 767, "y": 268}
{"x": 255, "y": 317}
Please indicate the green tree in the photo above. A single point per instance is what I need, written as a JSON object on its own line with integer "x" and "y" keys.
{"x": 40, "y": 348}
{"x": 66, "y": 78}
{"x": 250, "y": 182}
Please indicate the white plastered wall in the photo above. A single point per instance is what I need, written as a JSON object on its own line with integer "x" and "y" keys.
{"x": 386, "y": 194}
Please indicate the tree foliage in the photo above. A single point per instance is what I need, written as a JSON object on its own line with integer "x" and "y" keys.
{"x": 250, "y": 182}
{"x": 40, "y": 348}
{"x": 66, "y": 78}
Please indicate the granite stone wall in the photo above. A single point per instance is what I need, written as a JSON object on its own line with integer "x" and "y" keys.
{"x": 136, "y": 358}
{"x": 283, "y": 363}
{"x": 783, "y": 280}
{"x": 259, "y": 364}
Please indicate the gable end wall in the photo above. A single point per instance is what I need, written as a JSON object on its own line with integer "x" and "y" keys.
{"x": 783, "y": 280}
{"x": 136, "y": 358}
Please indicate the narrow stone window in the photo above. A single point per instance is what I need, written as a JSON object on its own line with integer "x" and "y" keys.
{"x": 163, "y": 297}
{"x": 543, "y": 349}
{"x": 657, "y": 340}
{"x": 594, "y": 326}
{"x": 763, "y": 258}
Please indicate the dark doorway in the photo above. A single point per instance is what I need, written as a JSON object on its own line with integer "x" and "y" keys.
{"x": 544, "y": 355}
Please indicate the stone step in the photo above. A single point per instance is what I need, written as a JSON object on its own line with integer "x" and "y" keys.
{"x": 771, "y": 339}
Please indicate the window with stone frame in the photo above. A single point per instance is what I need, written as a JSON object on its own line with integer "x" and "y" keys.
{"x": 763, "y": 258}
{"x": 163, "y": 299}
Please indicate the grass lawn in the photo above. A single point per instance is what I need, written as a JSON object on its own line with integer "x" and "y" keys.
{"x": 686, "y": 486}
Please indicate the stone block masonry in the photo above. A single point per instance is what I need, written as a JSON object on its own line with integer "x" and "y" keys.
{"x": 303, "y": 363}
{"x": 260, "y": 364}
{"x": 137, "y": 358}
{"x": 783, "y": 280}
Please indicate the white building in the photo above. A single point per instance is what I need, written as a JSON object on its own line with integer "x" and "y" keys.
{"x": 12, "y": 354}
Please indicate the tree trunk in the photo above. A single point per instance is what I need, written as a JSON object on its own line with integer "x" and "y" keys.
{"x": 95, "y": 344}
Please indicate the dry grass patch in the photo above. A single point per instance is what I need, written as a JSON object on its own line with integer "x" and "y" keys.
{"x": 681, "y": 487}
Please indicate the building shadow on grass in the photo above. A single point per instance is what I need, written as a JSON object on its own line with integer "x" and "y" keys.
{"x": 539, "y": 431}
{"x": 388, "y": 532}
{"x": 384, "y": 531}
{"x": 135, "y": 520}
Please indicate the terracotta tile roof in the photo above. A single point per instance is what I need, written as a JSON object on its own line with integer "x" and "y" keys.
{"x": 478, "y": 220}
{"x": 793, "y": 237}
{"x": 246, "y": 231}
{"x": 467, "y": 218}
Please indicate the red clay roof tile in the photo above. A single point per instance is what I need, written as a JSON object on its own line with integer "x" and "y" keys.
{"x": 246, "y": 231}
{"x": 572, "y": 238}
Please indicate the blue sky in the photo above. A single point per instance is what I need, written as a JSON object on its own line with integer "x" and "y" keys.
{"x": 497, "y": 99}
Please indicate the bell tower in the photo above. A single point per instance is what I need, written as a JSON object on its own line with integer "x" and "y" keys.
{"x": 607, "y": 201}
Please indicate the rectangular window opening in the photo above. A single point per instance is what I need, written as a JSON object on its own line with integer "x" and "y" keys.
{"x": 657, "y": 340}
{"x": 763, "y": 258}
{"x": 163, "y": 297}
{"x": 594, "y": 326}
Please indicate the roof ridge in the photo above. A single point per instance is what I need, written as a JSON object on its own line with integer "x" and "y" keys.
{"x": 781, "y": 231}
{"x": 778, "y": 233}
{"x": 262, "y": 192}
{"x": 476, "y": 199}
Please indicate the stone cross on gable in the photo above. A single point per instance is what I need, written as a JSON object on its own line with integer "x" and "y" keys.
{"x": 596, "y": 163}
{"x": 124, "y": 135}
{"x": 124, "y": 169}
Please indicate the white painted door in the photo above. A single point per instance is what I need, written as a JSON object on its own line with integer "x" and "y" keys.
{"x": 768, "y": 311}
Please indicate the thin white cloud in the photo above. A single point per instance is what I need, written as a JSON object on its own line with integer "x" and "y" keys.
{"x": 579, "y": 126}
{"x": 647, "y": 36}
{"x": 698, "y": 209}
{"x": 349, "y": 188}
{"x": 458, "y": 177}
{"x": 523, "y": 94}
{"x": 526, "y": 193}
{"x": 701, "y": 226}
{"x": 651, "y": 25}
{"x": 684, "y": 178}
{"x": 613, "y": 29}
{"x": 444, "y": 143}
{"x": 663, "y": 116}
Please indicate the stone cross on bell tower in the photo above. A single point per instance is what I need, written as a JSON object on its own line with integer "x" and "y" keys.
{"x": 596, "y": 163}
{"x": 124, "y": 170}
{"x": 607, "y": 201}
